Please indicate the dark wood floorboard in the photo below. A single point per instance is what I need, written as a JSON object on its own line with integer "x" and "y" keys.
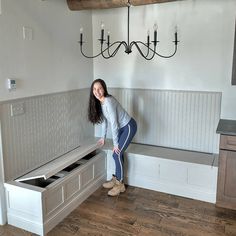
{"x": 140, "y": 212}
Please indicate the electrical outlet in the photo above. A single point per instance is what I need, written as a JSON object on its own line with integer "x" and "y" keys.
{"x": 17, "y": 109}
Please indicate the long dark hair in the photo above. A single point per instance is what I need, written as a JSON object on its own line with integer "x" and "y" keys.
{"x": 95, "y": 115}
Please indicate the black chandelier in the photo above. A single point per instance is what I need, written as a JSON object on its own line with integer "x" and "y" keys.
{"x": 111, "y": 49}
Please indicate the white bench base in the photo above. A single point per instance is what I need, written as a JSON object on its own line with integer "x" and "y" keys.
{"x": 168, "y": 170}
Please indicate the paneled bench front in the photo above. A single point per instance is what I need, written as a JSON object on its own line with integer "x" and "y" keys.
{"x": 183, "y": 173}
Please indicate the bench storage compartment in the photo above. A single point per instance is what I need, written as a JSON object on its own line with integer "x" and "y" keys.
{"x": 39, "y": 200}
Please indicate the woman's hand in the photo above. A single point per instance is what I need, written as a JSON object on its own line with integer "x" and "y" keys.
{"x": 101, "y": 142}
{"x": 116, "y": 150}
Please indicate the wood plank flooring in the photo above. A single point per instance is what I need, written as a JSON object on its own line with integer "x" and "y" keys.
{"x": 141, "y": 212}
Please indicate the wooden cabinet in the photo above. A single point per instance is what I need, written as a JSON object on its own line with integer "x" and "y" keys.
{"x": 39, "y": 200}
{"x": 226, "y": 185}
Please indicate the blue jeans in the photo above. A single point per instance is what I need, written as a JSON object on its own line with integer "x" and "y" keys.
{"x": 125, "y": 137}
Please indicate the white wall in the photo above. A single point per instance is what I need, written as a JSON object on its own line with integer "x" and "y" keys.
{"x": 204, "y": 58}
{"x": 51, "y": 61}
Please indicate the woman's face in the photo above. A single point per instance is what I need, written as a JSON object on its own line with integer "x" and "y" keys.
{"x": 98, "y": 91}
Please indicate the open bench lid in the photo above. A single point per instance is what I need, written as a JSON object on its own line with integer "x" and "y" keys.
{"x": 58, "y": 164}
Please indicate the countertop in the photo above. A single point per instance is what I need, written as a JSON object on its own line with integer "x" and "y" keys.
{"x": 226, "y": 127}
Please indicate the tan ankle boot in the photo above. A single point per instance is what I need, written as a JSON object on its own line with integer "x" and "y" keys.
{"x": 110, "y": 183}
{"x": 118, "y": 188}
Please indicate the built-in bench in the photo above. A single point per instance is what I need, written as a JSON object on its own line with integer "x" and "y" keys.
{"x": 179, "y": 172}
{"x": 40, "y": 199}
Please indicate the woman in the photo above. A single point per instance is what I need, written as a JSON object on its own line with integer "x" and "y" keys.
{"x": 104, "y": 108}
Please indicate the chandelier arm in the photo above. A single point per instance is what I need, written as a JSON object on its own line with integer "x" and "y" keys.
{"x": 108, "y": 51}
{"x": 90, "y": 57}
{"x": 141, "y": 53}
{"x": 148, "y": 52}
{"x": 154, "y": 51}
{"x": 148, "y": 48}
{"x": 102, "y": 51}
{"x": 115, "y": 50}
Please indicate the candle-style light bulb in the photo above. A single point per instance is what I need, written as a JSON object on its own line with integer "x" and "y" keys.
{"x": 108, "y": 38}
{"x": 155, "y": 27}
{"x": 102, "y": 32}
{"x": 148, "y": 38}
{"x": 81, "y": 35}
{"x": 102, "y": 25}
{"x": 176, "y": 37}
{"x": 155, "y": 34}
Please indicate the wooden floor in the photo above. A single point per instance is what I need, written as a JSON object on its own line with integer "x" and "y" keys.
{"x": 141, "y": 212}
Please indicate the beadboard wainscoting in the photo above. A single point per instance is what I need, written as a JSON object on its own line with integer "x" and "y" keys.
{"x": 176, "y": 119}
{"x": 39, "y": 129}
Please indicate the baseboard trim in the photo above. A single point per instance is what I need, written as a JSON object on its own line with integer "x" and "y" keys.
{"x": 170, "y": 188}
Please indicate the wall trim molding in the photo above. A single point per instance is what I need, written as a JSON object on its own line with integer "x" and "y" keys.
{"x": 40, "y": 95}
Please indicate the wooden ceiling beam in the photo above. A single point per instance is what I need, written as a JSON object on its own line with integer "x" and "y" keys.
{"x": 76, "y": 5}
{"x": 144, "y": 2}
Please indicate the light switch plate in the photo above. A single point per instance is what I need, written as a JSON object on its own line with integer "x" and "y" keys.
{"x": 17, "y": 108}
{"x": 27, "y": 33}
